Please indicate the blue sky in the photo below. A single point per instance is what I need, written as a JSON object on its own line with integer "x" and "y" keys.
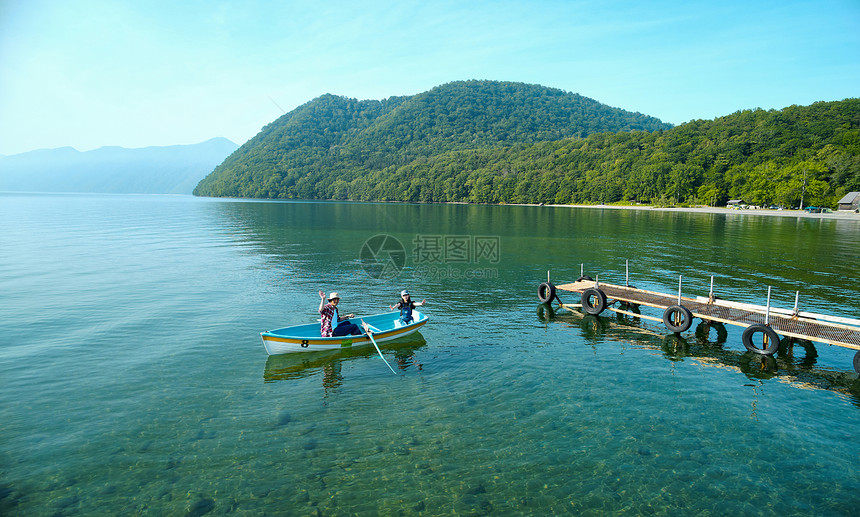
{"x": 89, "y": 73}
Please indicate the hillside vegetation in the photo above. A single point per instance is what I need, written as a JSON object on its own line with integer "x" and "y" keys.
{"x": 494, "y": 142}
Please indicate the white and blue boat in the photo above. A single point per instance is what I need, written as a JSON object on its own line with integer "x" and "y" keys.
{"x": 306, "y": 338}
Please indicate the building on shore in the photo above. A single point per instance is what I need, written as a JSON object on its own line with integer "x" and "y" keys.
{"x": 851, "y": 201}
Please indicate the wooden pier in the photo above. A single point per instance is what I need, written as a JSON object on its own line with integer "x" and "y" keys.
{"x": 763, "y": 324}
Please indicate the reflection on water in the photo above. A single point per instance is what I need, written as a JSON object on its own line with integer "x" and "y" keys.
{"x": 299, "y": 365}
{"x": 794, "y": 363}
{"x": 745, "y": 253}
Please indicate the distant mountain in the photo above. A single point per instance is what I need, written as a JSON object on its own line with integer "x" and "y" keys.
{"x": 150, "y": 170}
{"x": 330, "y": 139}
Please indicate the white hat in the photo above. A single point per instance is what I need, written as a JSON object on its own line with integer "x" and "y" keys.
{"x": 404, "y": 293}
{"x": 333, "y": 295}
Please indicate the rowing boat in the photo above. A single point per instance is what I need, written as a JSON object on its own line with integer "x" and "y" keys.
{"x": 306, "y": 338}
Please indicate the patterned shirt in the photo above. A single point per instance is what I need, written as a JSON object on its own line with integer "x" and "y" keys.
{"x": 327, "y": 312}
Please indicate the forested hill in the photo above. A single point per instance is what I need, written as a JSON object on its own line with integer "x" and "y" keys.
{"x": 330, "y": 139}
{"x": 487, "y": 142}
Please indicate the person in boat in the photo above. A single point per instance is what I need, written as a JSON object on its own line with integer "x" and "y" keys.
{"x": 405, "y": 306}
{"x": 331, "y": 324}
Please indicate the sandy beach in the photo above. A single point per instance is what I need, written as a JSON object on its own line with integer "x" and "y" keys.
{"x": 844, "y": 214}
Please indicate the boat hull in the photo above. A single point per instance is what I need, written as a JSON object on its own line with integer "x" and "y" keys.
{"x": 301, "y": 338}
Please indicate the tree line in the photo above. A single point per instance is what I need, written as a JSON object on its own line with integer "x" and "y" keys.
{"x": 491, "y": 142}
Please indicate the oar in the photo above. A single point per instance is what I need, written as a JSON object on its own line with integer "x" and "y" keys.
{"x": 370, "y": 335}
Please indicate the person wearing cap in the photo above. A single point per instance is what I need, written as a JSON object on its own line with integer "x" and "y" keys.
{"x": 329, "y": 314}
{"x": 405, "y": 306}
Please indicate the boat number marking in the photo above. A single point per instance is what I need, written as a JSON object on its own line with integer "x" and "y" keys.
{"x": 304, "y": 343}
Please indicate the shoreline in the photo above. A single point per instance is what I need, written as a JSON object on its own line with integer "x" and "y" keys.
{"x": 836, "y": 214}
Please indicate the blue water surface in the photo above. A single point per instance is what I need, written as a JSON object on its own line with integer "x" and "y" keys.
{"x": 133, "y": 379}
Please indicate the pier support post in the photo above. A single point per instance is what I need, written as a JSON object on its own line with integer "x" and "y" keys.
{"x": 627, "y": 273}
{"x": 767, "y": 310}
{"x": 711, "y": 293}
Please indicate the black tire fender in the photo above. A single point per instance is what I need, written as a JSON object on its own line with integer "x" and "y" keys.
{"x": 771, "y": 338}
{"x": 593, "y": 300}
{"x": 677, "y": 318}
{"x": 857, "y": 362}
{"x": 546, "y": 292}
{"x": 585, "y": 277}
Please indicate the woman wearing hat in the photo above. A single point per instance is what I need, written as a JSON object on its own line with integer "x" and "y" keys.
{"x": 405, "y": 306}
{"x": 329, "y": 314}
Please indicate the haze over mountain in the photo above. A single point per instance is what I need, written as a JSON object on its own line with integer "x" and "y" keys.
{"x": 149, "y": 170}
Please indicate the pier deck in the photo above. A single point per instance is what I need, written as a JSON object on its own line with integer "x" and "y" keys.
{"x": 678, "y": 313}
{"x": 800, "y": 326}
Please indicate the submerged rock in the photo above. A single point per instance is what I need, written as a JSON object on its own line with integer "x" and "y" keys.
{"x": 201, "y": 507}
{"x": 479, "y": 489}
{"x": 284, "y": 418}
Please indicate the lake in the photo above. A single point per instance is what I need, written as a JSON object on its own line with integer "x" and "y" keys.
{"x": 133, "y": 379}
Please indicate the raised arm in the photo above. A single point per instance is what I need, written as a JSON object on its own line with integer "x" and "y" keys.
{"x": 322, "y": 300}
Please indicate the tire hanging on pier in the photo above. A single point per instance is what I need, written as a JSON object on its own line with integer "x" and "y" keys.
{"x": 593, "y": 300}
{"x": 546, "y": 292}
{"x": 857, "y": 362}
{"x": 770, "y": 339}
{"x": 677, "y": 318}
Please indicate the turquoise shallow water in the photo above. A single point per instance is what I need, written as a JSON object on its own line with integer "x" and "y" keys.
{"x": 133, "y": 379}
